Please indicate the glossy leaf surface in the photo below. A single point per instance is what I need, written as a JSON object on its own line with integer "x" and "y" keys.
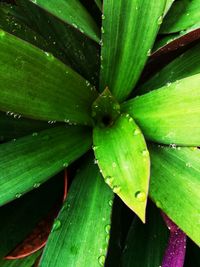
{"x": 170, "y": 114}
{"x": 123, "y": 158}
{"x": 175, "y": 186}
{"x": 72, "y": 12}
{"x": 28, "y": 76}
{"x": 128, "y": 31}
{"x": 34, "y": 159}
{"x": 168, "y": 5}
{"x": 84, "y": 223}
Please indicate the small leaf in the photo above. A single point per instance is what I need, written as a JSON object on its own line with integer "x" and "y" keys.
{"x": 129, "y": 29}
{"x": 171, "y": 114}
{"x": 182, "y": 15}
{"x": 145, "y": 244}
{"x": 85, "y": 222}
{"x": 72, "y": 12}
{"x": 123, "y": 158}
{"x": 28, "y": 76}
{"x": 175, "y": 186}
{"x": 34, "y": 159}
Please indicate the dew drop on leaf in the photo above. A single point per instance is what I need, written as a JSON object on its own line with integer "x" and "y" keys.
{"x": 101, "y": 260}
{"x": 140, "y": 196}
{"x": 56, "y": 225}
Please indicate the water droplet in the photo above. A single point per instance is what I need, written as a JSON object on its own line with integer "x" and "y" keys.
{"x": 168, "y": 84}
{"x": 114, "y": 165}
{"x": 2, "y": 33}
{"x": 49, "y": 56}
{"x": 188, "y": 164}
{"x": 102, "y": 30}
{"x": 65, "y": 165}
{"x": 160, "y": 20}
{"x": 101, "y": 260}
{"x": 149, "y": 52}
{"x": 95, "y": 148}
{"x": 56, "y": 225}
{"x": 116, "y": 189}
{"x": 74, "y": 25}
{"x": 35, "y": 134}
{"x": 96, "y": 161}
{"x": 107, "y": 228}
{"x": 101, "y": 42}
{"x": 140, "y": 196}
{"x": 145, "y": 153}
{"x": 87, "y": 83}
{"x": 136, "y": 132}
{"x": 172, "y": 146}
{"x": 36, "y": 185}
{"x": 34, "y": 1}
{"x": 130, "y": 119}
{"x": 107, "y": 239}
{"x": 18, "y": 195}
{"x": 103, "y": 16}
{"x": 158, "y": 204}
{"x": 110, "y": 203}
{"x": 109, "y": 180}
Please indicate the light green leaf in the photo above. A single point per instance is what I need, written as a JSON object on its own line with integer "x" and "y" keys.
{"x": 175, "y": 186}
{"x": 182, "y": 15}
{"x": 72, "y": 12}
{"x": 33, "y": 159}
{"x": 168, "y": 5}
{"x": 123, "y": 158}
{"x": 170, "y": 114}
{"x": 128, "y": 31}
{"x": 28, "y": 76}
{"x": 84, "y": 223}
{"x": 145, "y": 244}
{"x": 185, "y": 65}
{"x": 25, "y": 262}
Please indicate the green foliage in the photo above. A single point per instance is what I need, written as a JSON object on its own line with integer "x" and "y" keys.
{"x": 72, "y": 80}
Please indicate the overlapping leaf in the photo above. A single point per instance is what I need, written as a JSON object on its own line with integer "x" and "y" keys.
{"x": 175, "y": 186}
{"x": 123, "y": 158}
{"x": 170, "y": 114}
{"x": 128, "y": 31}
{"x": 80, "y": 234}
{"x": 33, "y": 159}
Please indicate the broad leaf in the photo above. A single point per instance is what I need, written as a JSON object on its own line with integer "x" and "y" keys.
{"x": 128, "y": 31}
{"x": 123, "y": 158}
{"x": 33, "y": 159}
{"x": 175, "y": 186}
{"x": 182, "y": 15}
{"x": 15, "y": 225}
{"x": 170, "y": 114}
{"x": 73, "y": 48}
{"x": 145, "y": 244}
{"x": 187, "y": 64}
{"x": 25, "y": 262}
{"x": 13, "y": 126}
{"x": 72, "y": 12}
{"x": 28, "y": 76}
{"x": 83, "y": 225}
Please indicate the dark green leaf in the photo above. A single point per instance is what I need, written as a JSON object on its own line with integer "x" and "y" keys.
{"x": 33, "y": 159}
{"x": 168, "y": 5}
{"x": 123, "y": 158}
{"x": 99, "y": 4}
{"x": 15, "y": 225}
{"x": 128, "y": 32}
{"x": 72, "y": 12}
{"x": 80, "y": 234}
{"x": 28, "y": 76}
{"x": 170, "y": 115}
{"x": 175, "y": 186}
{"x": 25, "y": 262}
{"x": 185, "y": 65}
{"x": 182, "y": 15}
{"x": 145, "y": 244}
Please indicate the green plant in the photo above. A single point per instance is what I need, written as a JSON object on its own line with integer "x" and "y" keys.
{"x": 65, "y": 63}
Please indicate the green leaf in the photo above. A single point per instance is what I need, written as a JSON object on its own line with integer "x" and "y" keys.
{"x": 28, "y": 76}
{"x": 72, "y": 47}
{"x": 145, "y": 244}
{"x": 124, "y": 167}
{"x": 33, "y": 159}
{"x": 84, "y": 223}
{"x": 25, "y": 262}
{"x": 170, "y": 114}
{"x": 14, "y": 127}
{"x": 99, "y": 4}
{"x": 126, "y": 42}
{"x": 187, "y": 64}
{"x": 181, "y": 16}
{"x": 175, "y": 186}
{"x": 72, "y": 12}
{"x": 15, "y": 225}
